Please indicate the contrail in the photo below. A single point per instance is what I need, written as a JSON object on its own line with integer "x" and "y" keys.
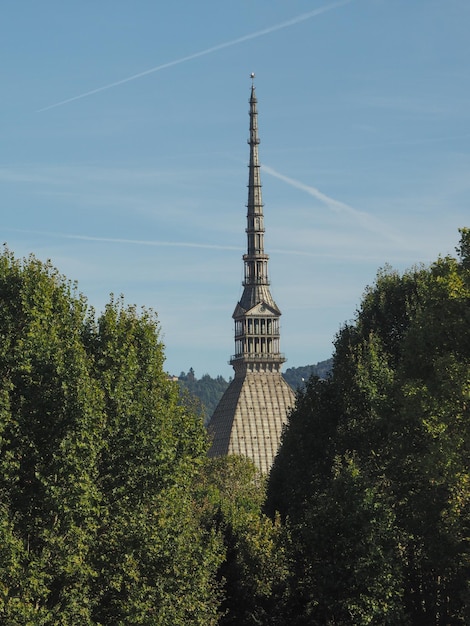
{"x": 156, "y": 243}
{"x": 201, "y": 53}
{"x": 364, "y": 219}
{"x": 149, "y": 242}
{"x": 185, "y": 244}
{"x": 139, "y": 242}
{"x": 335, "y": 205}
{"x": 172, "y": 244}
{"x": 146, "y": 242}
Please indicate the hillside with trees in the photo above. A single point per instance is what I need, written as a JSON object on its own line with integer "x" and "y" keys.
{"x": 112, "y": 514}
{"x": 297, "y": 377}
{"x": 207, "y": 390}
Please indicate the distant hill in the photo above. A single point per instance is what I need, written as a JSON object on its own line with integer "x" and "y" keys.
{"x": 206, "y": 389}
{"x": 298, "y": 376}
{"x": 209, "y": 390}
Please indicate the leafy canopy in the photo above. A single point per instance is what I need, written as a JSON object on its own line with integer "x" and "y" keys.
{"x": 372, "y": 477}
{"x": 98, "y": 522}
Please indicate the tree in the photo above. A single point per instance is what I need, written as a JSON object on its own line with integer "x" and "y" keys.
{"x": 340, "y": 548}
{"x": 253, "y": 571}
{"x": 153, "y": 558}
{"x": 372, "y": 476}
{"x": 98, "y": 458}
{"x": 49, "y": 438}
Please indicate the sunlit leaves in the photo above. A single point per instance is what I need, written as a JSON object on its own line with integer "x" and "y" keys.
{"x": 97, "y": 459}
{"x": 375, "y": 484}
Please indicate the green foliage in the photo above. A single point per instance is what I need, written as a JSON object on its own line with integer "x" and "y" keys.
{"x": 98, "y": 519}
{"x": 150, "y": 546}
{"x": 49, "y": 422}
{"x": 463, "y": 249}
{"x": 206, "y": 389}
{"x": 253, "y": 572}
{"x": 111, "y": 513}
{"x": 372, "y": 477}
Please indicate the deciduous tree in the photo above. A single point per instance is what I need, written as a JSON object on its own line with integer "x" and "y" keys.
{"x": 97, "y": 465}
{"x": 372, "y": 476}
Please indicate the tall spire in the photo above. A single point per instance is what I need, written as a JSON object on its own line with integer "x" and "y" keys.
{"x": 253, "y": 410}
{"x": 256, "y": 315}
{"x": 256, "y": 261}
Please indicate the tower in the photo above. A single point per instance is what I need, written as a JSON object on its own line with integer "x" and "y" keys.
{"x": 250, "y": 415}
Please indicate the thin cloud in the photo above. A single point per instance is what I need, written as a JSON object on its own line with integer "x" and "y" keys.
{"x": 337, "y": 254}
{"x": 146, "y": 242}
{"x": 260, "y": 33}
{"x": 139, "y": 242}
{"x": 364, "y": 219}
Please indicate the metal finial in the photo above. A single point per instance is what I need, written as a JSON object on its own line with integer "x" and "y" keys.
{"x": 252, "y": 75}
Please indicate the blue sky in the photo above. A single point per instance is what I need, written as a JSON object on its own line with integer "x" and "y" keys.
{"x": 123, "y": 154}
